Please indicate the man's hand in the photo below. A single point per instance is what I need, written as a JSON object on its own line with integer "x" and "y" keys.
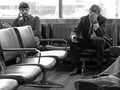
{"x": 73, "y": 39}
{"x": 95, "y": 26}
{"x": 93, "y": 17}
{"x": 20, "y": 16}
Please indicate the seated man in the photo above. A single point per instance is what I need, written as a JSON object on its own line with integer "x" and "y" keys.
{"x": 88, "y": 34}
{"x": 25, "y": 18}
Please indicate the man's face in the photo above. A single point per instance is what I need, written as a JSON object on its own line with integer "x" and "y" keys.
{"x": 24, "y": 11}
{"x": 93, "y": 15}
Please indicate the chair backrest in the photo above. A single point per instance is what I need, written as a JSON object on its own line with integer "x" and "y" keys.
{"x": 46, "y": 31}
{"x": 118, "y": 34}
{"x": 109, "y": 29}
{"x": 62, "y": 31}
{"x": 8, "y": 39}
{"x": 26, "y": 36}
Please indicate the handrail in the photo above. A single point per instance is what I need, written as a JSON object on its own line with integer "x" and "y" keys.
{"x": 23, "y": 49}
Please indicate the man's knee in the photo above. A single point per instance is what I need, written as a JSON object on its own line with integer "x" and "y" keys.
{"x": 99, "y": 40}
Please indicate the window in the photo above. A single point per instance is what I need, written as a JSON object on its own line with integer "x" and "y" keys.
{"x": 50, "y": 9}
{"x": 78, "y": 8}
{"x": 45, "y": 8}
{"x": 41, "y": 8}
{"x": 74, "y": 8}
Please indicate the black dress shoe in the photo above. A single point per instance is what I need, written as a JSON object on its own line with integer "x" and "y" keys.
{"x": 75, "y": 72}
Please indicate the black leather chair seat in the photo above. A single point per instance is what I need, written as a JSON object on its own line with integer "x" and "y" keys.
{"x": 27, "y": 40}
{"x": 8, "y": 84}
{"x": 92, "y": 51}
{"x": 61, "y": 54}
{"x": 27, "y": 72}
{"x": 50, "y": 47}
{"x": 47, "y": 62}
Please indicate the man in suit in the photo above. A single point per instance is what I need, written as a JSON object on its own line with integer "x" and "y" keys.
{"x": 88, "y": 34}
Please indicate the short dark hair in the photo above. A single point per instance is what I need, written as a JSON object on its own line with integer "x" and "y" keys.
{"x": 95, "y": 8}
{"x": 23, "y": 5}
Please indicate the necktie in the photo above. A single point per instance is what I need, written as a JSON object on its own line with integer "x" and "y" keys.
{"x": 90, "y": 29}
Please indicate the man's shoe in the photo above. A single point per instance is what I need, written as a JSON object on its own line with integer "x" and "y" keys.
{"x": 75, "y": 72}
{"x": 100, "y": 83}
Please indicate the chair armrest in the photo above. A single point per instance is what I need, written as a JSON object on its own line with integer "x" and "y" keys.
{"x": 19, "y": 49}
{"x": 55, "y": 40}
{"x": 23, "y": 49}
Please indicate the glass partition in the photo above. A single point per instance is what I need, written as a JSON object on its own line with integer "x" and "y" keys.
{"x": 50, "y": 9}
{"x": 41, "y": 8}
{"x": 79, "y": 8}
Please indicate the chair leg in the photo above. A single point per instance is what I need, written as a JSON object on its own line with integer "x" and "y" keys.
{"x": 44, "y": 83}
{"x": 83, "y": 67}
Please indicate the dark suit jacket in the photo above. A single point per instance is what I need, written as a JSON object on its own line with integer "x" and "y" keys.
{"x": 82, "y": 29}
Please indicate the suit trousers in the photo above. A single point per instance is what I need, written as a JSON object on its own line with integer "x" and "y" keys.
{"x": 96, "y": 43}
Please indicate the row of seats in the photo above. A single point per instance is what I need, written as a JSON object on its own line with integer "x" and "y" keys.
{"x": 19, "y": 42}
